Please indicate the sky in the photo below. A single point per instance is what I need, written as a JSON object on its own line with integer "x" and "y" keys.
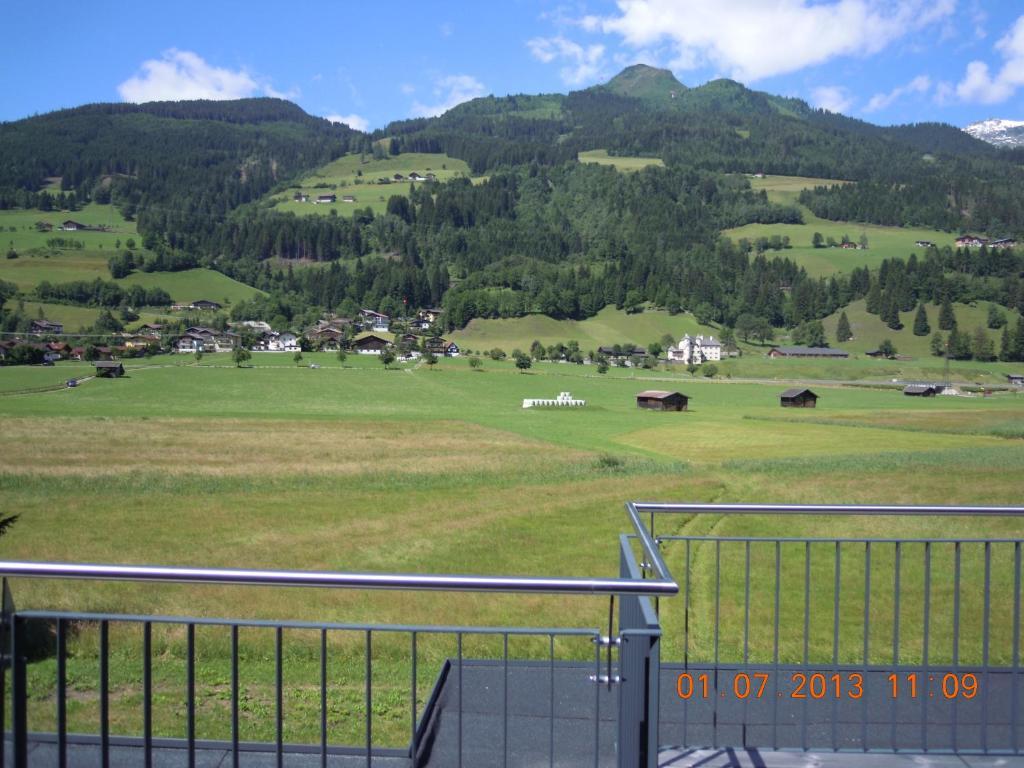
{"x": 366, "y": 64}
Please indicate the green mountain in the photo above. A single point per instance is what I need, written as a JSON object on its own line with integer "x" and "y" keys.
{"x": 657, "y": 86}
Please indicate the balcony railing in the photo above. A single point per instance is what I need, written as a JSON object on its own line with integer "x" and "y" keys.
{"x": 707, "y": 659}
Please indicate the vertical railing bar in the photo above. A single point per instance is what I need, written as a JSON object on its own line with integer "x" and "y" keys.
{"x": 746, "y": 630}
{"x": 190, "y": 685}
{"x": 835, "y": 638}
{"x": 323, "y": 699}
{"x": 459, "y": 645}
{"x": 5, "y": 659}
{"x": 807, "y": 635}
{"x": 19, "y": 693}
{"x": 597, "y": 700}
{"x": 235, "y": 693}
{"x": 147, "y": 694}
{"x": 504, "y": 706}
{"x": 62, "y": 694}
{"x": 1015, "y": 677}
{"x": 775, "y": 646}
{"x": 414, "y": 686}
{"x": 925, "y": 640}
{"x": 986, "y": 617}
{"x": 686, "y": 640}
{"x": 867, "y": 643}
{"x": 551, "y": 704}
{"x": 896, "y": 573}
{"x": 279, "y": 695}
{"x": 956, "y": 636}
{"x": 369, "y": 699}
{"x": 718, "y": 597}
{"x": 105, "y": 693}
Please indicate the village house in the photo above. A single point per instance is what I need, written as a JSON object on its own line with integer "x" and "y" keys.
{"x": 72, "y": 226}
{"x": 416, "y": 177}
{"x": 970, "y": 241}
{"x": 192, "y": 342}
{"x": 375, "y": 320}
{"x": 1015, "y": 379}
{"x": 42, "y": 327}
{"x": 398, "y": 177}
{"x": 1003, "y": 242}
{"x": 370, "y": 344}
{"x": 624, "y": 354}
{"x": 348, "y": 198}
{"x": 321, "y": 199}
{"x": 659, "y": 400}
{"x": 924, "y": 244}
{"x": 807, "y": 352}
{"x": 281, "y": 342}
{"x": 300, "y": 197}
{"x": 696, "y": 350}
{"x": 439, "y": 346}
{"x": 797, "y": 397}
{"x": 150, "y": 328}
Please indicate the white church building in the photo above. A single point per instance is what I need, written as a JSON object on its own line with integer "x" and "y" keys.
{"x": 695, "y": 350}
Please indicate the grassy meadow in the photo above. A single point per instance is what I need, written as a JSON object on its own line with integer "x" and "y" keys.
{"x": 883, "y": 242}
{"x": 353, "y": 467}
{"x": 357, "y": 175}
{"x": 624, "y": 164}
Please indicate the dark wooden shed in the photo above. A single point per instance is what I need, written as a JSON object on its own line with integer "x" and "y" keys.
{"x": 798, "y": 398}
{"x": 109, "y": 369}
{"x": 657, "y": 400}
{"x": 921, "y": 390}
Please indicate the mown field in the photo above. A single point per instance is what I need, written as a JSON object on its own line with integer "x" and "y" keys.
{"x": 357, "y": 175}
{"x": 353, "y": 467}
{"x": 624, "y": 164}
{"x": 883, "y": 242}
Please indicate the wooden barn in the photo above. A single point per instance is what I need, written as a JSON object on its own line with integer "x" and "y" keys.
{"x": 921, "y": 390}
{"x": 109, "y": 369}
{"x": 657, "y": 400}
{"x": 798, "y": 398}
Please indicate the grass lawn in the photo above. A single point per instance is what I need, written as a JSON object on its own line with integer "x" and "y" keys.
{"x": 354, "y": 467}
{"x": 357, "y": 175}
{"x": 883, "y": 242}
{"x": 624, "y": 164}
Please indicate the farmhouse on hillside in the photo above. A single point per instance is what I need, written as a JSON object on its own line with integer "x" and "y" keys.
{"x": 1015, "y": 379}
{"x": 797, "y": 397}
{"x": 108, "y": 369}
{"x": 46, "y": 326}
{"x": 72, "y": 226}
{"x": 376, "y": 320}
{"x": 695, "y": 350}
{"x": 204, "y": 304}
{"x": 370, "y": 345}
{"x": 320, "y": 199}
{"x": 348, "y": 198}
{"x": 806, "y": 352}
{"x": 438, "y": 346}
{"x": 658, "y": 400}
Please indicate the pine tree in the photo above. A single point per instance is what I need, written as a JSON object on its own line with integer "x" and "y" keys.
{"x": 843, "y": 331}
{"x": 947, "y": 318}
{"x": 921, "y": 327}
{"x": 1017, "y": 352}
{"x": 1006, "y": 345}
{"x": 982, "y": 347}
{"x": 874, "y": 298}
{"x": 892, "y": 312}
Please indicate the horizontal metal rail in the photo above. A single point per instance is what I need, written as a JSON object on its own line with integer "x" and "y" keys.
{"x": 341, "y": 580}
{"x": 830, "y": 509}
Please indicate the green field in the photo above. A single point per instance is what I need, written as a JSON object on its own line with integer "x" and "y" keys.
{"x": 624, "y": 164}
{"x": 342, "y": 177}
{"x": 352, "y": 467}
{"x": 883, "y": 242}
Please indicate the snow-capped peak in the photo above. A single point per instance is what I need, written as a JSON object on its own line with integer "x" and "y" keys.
{"x": 1004, "y": 133}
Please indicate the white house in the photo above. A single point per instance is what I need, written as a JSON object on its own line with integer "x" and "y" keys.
{"x": 696, "y": 350}
{"x": 376, "y": 321}
{"x": 282, "y": 342}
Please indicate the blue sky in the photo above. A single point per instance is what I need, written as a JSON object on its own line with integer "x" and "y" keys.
{"x": 886, "y": 61}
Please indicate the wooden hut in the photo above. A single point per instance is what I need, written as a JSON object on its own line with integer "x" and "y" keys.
{"x": 798, "y": 398}
{"x": 109, "y": 369}
{"x": 921, "y": 390}
{"x": 658, "y": 400}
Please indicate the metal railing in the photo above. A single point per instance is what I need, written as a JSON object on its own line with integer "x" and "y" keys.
{"x": 456, "y": 725}
{"x": 846, "y": 643}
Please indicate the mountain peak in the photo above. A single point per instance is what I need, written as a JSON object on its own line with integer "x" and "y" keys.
{"x": 645, "y": 82}
{"x": 1001, "y": 133}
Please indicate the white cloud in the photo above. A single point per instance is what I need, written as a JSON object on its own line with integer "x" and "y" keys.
{"x": 179, "y": 75}
{"x": 582, "y": 64}
{"x": 920, "y": 84}
{"x": 980, "y": 85}
{"x": 447, "y": 29}
{"x": 352, "y": 121}
{"x": 752, "y": 39}
{"x": 450, "y": 91}
{"x": 407, "y": 88}
{"x": 834, "y": 98}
